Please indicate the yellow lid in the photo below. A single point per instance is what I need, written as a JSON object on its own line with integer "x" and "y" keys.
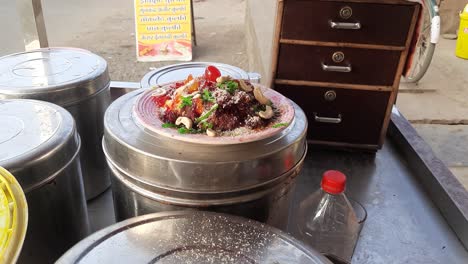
{"x": 13, "y": 217}
{"x": 464, "y": 14}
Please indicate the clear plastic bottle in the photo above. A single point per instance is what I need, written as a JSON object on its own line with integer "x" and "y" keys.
{"x": 326, "y": 219}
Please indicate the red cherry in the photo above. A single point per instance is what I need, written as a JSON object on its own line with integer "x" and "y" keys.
{"x": 212, "y": 73}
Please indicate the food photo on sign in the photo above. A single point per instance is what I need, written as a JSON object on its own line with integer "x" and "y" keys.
{"x": 163, "y": 30}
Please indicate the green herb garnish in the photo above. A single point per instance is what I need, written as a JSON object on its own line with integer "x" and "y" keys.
{"x": 186, "y": 101}
{"x": 259, "y": 108}
{"x": 184, "y": 130}
{"x": 204, "y": 125}
{"x": 230, "y": 86}
{"x": 169, "y": 125}
{"x": 181, "y": 129}
{"x": 207, "y": 96}
{"x": 280, "y": 125}
{"x": 207, "y": 114}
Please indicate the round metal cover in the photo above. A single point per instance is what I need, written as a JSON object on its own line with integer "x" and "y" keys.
{"x": 180, "y": 71}
{"x": 36, "y": 140}
{"x": 191, "y": 237}
{"x": 184, "y": 167}
{"x": 58, "y": 75}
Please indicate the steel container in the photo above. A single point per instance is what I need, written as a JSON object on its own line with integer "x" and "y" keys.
{"x": 180, "y": 71}
{"x": 154, "y": 173}
{"x": 40, "y": 146}
{"x": 191, "y": 237}
{"x": 75, "y": 79}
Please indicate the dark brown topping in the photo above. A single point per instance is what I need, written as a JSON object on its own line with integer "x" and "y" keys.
{"x": 235, "y": 107}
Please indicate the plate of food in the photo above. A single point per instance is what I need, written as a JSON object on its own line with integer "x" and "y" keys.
{"x": 214, "y": 109}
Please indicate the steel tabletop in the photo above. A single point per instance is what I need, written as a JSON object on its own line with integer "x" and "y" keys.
{"x": 415, "y": 213}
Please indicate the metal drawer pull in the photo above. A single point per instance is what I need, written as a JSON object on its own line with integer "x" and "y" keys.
{"x": 331, "y": 120}
{"x": 332, "y": 68}
{"x": 345, "y": 25}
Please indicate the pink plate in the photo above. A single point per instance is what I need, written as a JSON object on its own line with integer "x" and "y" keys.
{"x": 147, "y": 114}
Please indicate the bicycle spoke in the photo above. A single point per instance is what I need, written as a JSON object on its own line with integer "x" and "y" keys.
{"x": 423, "y": 48}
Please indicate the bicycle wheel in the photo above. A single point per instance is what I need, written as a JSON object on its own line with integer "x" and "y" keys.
{"x": 424, "y": 50}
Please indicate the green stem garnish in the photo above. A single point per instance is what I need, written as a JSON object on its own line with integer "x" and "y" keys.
{"x": 207, "y": 114}
{"x": 184, "y": 130}
{"x": 280, "y": 125}
{"x": 204, "y": 125}
{"x": 169, "y": 125}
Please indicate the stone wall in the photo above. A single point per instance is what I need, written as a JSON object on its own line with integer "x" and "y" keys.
{"x": 449, "y": 10}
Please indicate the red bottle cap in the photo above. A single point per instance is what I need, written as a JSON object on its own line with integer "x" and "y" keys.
{"x": 333, "y": 182}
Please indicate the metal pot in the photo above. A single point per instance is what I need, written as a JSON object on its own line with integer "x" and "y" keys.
{"x": 40, "y": 146}
{"x": 75, "y": 79}
{"x": 153, "y": 173}
{"x": 180, "y": 71}
{"x": 190, "y": 237}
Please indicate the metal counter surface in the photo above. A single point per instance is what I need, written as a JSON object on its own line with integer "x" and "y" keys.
{"x": 404, "y": 223}
{"x": 402, "y": 226}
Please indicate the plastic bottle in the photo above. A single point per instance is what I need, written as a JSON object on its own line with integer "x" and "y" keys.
{"x": 326, "y": 219}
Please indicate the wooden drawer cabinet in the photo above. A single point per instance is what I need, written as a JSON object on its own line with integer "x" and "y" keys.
{"x": 340, "y": 65}
{"x": 341, "y": 61}
{"x": 340, "y": 115}
{"x": 343, "y": 21}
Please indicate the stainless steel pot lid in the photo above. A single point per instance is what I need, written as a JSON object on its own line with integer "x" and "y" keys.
{"x": 190, "y": 237}
{"x": 59, "y": 75}
{"x": 176, "y": 165}
{"x": 37, "y": 139}
{"x": 180, "y": 71}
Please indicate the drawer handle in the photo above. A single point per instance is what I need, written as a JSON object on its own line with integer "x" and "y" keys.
{"x": 331, "y": 120}
{"x": 345, "y": 25}
{"x": 332, "y": 68}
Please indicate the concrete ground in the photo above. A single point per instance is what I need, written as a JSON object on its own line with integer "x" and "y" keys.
{"x": 106, "y": 27}
{"x": 439, "y": 110}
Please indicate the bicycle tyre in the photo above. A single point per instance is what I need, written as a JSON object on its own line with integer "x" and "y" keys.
{"x": 424, "y": 67}
{"x": 419, "y": 68}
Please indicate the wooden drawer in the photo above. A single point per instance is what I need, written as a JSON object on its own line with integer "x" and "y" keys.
{"x": 381, "y": 24}
{"x": 361, "y": 112}
{"x": 304, "y": 62}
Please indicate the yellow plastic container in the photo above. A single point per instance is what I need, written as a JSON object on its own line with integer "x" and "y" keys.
{"x": 462, "y": 41}
{"x": 13, "y": 217}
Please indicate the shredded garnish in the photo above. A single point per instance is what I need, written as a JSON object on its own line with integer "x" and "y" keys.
{"x": 186, "y": 101}
{"x": 207, "y": 114}
{"x": 207, "y": 96}
{"x": 280, "y": 125}
{"x": 169, "y": 125}
{"x": 215, "y": 102}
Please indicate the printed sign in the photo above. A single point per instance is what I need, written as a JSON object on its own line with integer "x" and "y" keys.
{"x": 163, "y": 30}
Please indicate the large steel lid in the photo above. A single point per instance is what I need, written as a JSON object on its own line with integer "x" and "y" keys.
{"x": 37, "y": 140}
{"x": 165, "y": 163}
{"x": 62, "y": 76}
{"x": 191, "y": 237}
{"x": 180, "y": 71}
